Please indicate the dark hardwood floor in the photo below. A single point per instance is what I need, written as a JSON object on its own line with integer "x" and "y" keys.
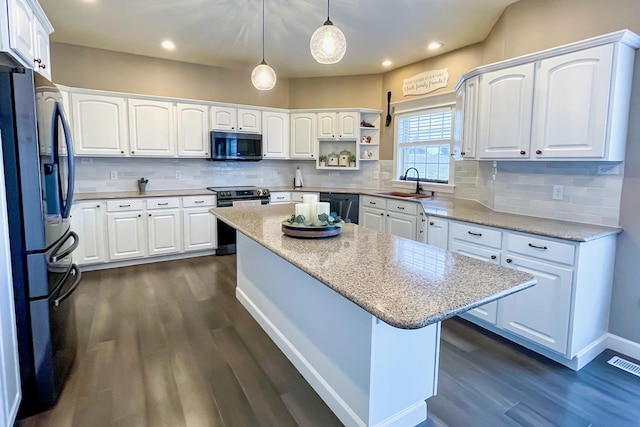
{"x": 168, "y": 344}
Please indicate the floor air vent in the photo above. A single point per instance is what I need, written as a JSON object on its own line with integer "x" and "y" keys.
{"x": 625, "y": 365}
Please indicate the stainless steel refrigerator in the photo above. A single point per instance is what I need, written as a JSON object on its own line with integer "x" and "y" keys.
{"x": 39, "y": 196}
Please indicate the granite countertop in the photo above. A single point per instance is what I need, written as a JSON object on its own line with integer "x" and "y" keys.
{"x": 135, "y": 194}
{"x": 405, "y": 283}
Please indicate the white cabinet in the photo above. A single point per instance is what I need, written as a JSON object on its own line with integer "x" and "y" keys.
{"x": 275, "y": 135}
{"x": 279, "y": 197}
{"x": 99, "y": 125}
{"x": 327, "y": 125}
{"x": 126, "y": 229}
{"x": 401, "y": 225}
{"x": 29, "y": 35}
{"x": 165, "y": 233}
{"x": 391, "y": 216}
{"x": 372, "y": 218}
{"x": 192, "y": 121}
{"x": 87, "y": 220}
{"x": 466, "y": 119}
{"x": 504, "y": 119}
{"x": 250, "y": 121}
{"x": 236, "y": 119}
{"x": 42, "y": 57}
{"x": 438, "y": 232}
{"x": 571, "y": 108}
{"x": 303, "y": 136}
{"x": 341, "y": 125}
{"x": 152, "y": 128}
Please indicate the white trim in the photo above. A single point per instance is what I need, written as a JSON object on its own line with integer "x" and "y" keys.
{"x": 623, "y": 345}
{"x": 145, "y": 260}
{"x": 426, "y": 186}
{"x": 423, "y": 102}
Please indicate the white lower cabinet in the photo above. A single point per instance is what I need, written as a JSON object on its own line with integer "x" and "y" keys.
{"x": 165, "y": 234}
{"x": 398, "y": 218}
{"x": 199, "y": 229}
{"x": 372, "y": 218}
{"x": 401, "y": 225}
{"x": 87, "y": 221}
{"x": 279, "y": 197}
{"x": 126, "y": 231}
{"x": 437, "y": 232}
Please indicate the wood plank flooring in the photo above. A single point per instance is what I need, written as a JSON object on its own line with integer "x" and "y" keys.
{"x": 168, "y": 344}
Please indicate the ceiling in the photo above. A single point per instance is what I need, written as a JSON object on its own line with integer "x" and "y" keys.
{"x": 228, "y": 33}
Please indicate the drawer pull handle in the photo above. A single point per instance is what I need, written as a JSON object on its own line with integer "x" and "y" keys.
{"x": 475, "y": 234}
{"x": 125, "y": 206}
{"x": 493, "y": 257}
{"x": 280, "y": 197}
{"x": 400, "y": 207}
{"x": 373, "y": 203}
{"x": 509, "y": 260}
{"x": 163, "y": 204}
{"x": 544, "y": 248}
{"x": 432, "y": 223}
{"x": 198, "y": 201}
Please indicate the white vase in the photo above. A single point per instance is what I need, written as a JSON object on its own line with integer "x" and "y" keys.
{"x": 352, "y": 164}
{"x": 323, "y": 164}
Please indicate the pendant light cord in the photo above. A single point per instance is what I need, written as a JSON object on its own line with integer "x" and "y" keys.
{"x": 328, "y": 10}
{"x": 262, "y": 30}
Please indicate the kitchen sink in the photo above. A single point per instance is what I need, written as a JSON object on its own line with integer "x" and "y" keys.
{"x": 405, "y": 195}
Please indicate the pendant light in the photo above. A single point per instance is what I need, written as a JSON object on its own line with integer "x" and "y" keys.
{"x": 328, "y": 44}
{"x": 263, "y": 77}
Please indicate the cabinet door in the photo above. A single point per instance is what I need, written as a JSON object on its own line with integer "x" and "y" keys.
{"x": 87, "y": 220}
{"x": 504, "y": 119}
{"x": 438, "y": 232}
{"x": 541, "y": 313}
{"x": 152, "y": 128}
{"x": 127, "y": 237}
{"x": 373, "y": 219}
{"x": 99, "y": 125}
{"x": 193, "y": 130}
{"x": 327, "y": 127}
{"x": 401, "y": 225}
{"x": 21, "y": 30}
{"x": 303, "y": 136}
{"x": 275, "y": 135}
{"x": 572, "y": 104}
{"x": 199, "y": 229}
{"x": 164, "y": 230}
{"x": 224, "y": 118}
{"x": 42, "y": 55}
{"x": 249, "y": 121}
{"x": 486, "y": 312}
{"x": 469, "y": 125}
{"x": 349, "y": 125}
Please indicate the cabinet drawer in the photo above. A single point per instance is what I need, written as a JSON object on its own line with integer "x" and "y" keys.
{"x": 163, "y": 203}
{"x": 280, "y": 197}
{"x": 296, "y": 196}
{"x": 198, "y": 201}
{"x": 541, "y": 248}
{"x": 125, "y": 205}
{"x": 478, "y": 235}
{"x": 373, "y": 202}
{"x": 408, "y": 208}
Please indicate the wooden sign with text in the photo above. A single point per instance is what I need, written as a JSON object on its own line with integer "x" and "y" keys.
{"x": 425, "y": 82}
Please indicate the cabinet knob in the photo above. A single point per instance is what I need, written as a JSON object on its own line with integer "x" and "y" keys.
{"x": 382, "y": 214}
{"x": 132, "y": 152}
{"x": 523, "y": 152}
{"x": 139, "y": 215}
{"x": 232, "y": 127}
{"x": 97, "y": 206}
{"x": 432, "y": 223}
{"x": 509, "y": 260}
{"x": 149, "y": 215}
{"x": 312, "y": 155}
{"x": 538, "y": 151}
{"x": 43, "y": 66}
{"x": 239, "y": 128}
{"x": 493, "y": 257}
{"x": 37, "y": 60}
{"x": 387, "y": 214}
{"x": 122, "y": 152}
{"x": 462, "y": 153}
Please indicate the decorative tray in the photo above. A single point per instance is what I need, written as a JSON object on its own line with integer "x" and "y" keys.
{"x": 311, "y": 232}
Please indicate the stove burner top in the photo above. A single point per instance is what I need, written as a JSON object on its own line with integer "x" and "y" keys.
{"x": 240, "y": 192}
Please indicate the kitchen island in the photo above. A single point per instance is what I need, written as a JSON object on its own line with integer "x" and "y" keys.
{"x": 359, "y": 314}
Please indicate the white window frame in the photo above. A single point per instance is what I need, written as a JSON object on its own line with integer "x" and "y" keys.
{"x": 415, "y": 107}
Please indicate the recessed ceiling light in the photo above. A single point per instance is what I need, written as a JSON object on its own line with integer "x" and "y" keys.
{"x": 168, "y": 44}
{"x": 386, "y": 62}
{"x": 434, "y": 45}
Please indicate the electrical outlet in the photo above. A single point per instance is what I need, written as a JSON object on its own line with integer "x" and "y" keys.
{"x": 558, "y": 192}
{"x": 608, "y": 169}
{"x": 114, "y": 174}
{"x": 178, "y": 174}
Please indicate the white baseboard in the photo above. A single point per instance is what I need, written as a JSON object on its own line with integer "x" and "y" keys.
{"x": 623, "y": 345}
{"x": 145, "y": 260}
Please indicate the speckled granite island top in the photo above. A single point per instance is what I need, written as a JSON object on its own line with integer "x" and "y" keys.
{"x": 406, "y": 284}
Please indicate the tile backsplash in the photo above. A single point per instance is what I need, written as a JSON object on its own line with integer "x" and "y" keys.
{"x": 516, "y": 187}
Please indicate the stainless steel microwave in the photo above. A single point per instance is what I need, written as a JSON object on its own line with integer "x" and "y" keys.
{"x": 235, "y": 146}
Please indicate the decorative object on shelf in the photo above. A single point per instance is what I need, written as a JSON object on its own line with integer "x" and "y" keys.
{"x": 344, "y": 158}
{"x": 328, "y": 44}
{"x": 142, "y": 185}
{"x": 366, "y": 154}
{"x": 326, "y": 224}
{"x": 366, "y": 125}
{"x": 323, "y": 161}
{"x": 388, "y": 119}
{"x": 332, "y": 159}
{"x": 352, "y": 160}
{"x": 366, "y": 139}
{"x": 263, "y": 77}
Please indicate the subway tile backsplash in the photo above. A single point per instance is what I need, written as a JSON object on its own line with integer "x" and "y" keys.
{"x": 516, "y": 187}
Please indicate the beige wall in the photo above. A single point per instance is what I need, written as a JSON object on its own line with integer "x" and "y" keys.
{"x": 91, "y": 68}
{"x": 336, "y": 92}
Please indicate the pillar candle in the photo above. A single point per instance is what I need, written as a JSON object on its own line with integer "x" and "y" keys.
{"x": 304, "y": 209}
{"x": 310, "y": 198}
{"x": 321, "y": 208}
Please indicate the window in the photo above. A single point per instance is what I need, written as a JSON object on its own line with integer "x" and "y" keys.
{"x": 424, "y": 141}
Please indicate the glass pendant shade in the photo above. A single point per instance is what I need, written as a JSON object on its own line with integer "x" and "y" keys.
{"x": 328, "y": 44}
{"x": 263, "y": 77}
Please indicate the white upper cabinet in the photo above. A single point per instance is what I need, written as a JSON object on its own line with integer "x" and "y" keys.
{"x": 99, "y": 125}
{"x": 42, "y": 58}
{"x": 249, "y": 121}
{"x": 466, "y": 119}
{"x": 504, "y": 119}
{"x": 193, "y": 130}
{"x": 152, "y": 128}
{"x": 224, "y": 118}
{"x": 29, "y": 32}
{"x": 275, "y": 135}
{"x": 327, "y": 125}
{"x": 572, "y": 104}
{"x": 303, "y": 136}
{"x": 348, "y": 125}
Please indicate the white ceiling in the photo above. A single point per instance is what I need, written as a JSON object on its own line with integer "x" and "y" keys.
{"x": 227, "y": 33}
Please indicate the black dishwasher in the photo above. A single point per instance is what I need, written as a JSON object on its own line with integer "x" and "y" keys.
{"x": 344, "y": 204}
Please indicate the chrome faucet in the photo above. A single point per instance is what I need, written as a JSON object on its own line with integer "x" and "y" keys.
{"x": 418, "y": 188}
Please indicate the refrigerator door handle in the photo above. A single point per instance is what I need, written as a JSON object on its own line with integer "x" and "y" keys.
{"x": 58, "y": 114}
{"x": 72, "y": 289}
{"x": 55, "y": 256}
